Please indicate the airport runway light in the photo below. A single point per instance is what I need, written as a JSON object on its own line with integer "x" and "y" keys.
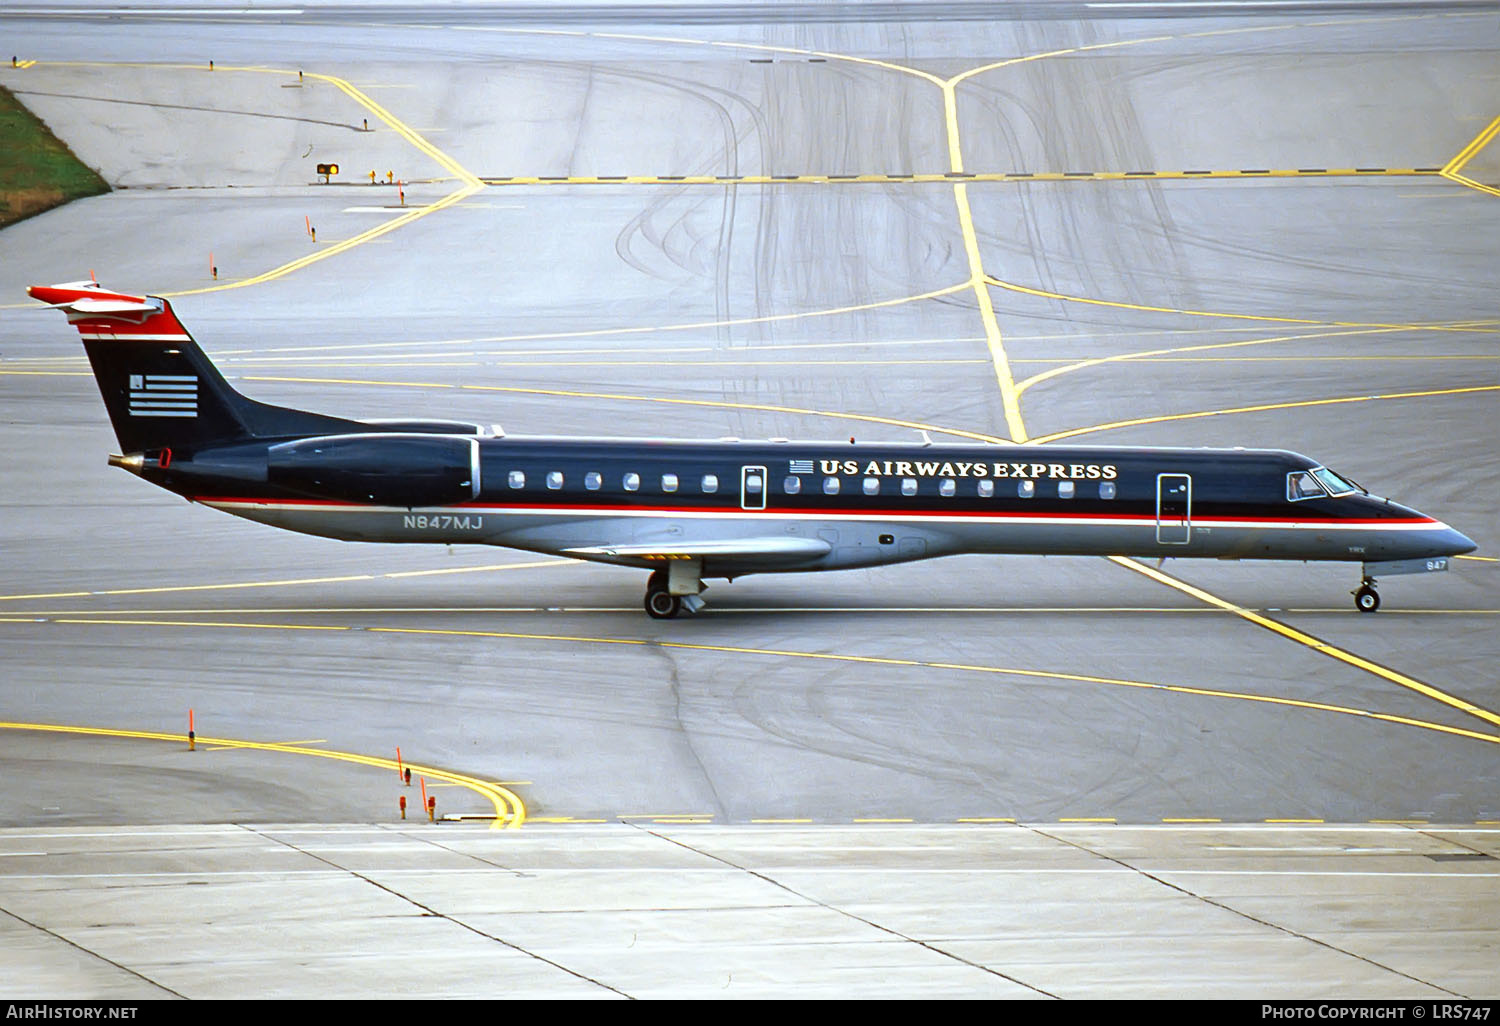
{"x": 403, "y": 806}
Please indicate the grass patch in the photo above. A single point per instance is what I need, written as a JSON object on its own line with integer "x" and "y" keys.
{"x": 37, "y": 171}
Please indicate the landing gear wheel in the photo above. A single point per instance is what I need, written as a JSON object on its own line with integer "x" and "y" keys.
{"x": 1367, "y": 599}
{"x": 660, "y": 603}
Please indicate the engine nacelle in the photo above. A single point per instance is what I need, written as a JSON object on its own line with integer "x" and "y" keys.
{"x": 438, "y": 427}
{"x": 386, "y": 469}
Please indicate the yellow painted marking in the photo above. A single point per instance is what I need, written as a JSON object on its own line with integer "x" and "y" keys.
{"x": 646, "y": 329}
{"x": 1044, "y": 294}
{"x": 1293, "y": 821}
{"x": 1316, "y": 644}
{"x": 1056, "y": 435}
{"x": 289, "y": 581}
{"x": 1082, "y": 364}
{"x": 1009, "y": 396}
{"x": 471, "y": 184}
{"x": 712, "y": 403}
{"x": 1086, "y": 819}
{"x": 1451, "y": 169}
{"x": 951, "y": 177}
{"x": 510, "y": 811}
{"x": 855, "y": 362}
{"x": 564, "y": 819}
{"x": 895, "y": 662}
{"x": 1480, "y": 559}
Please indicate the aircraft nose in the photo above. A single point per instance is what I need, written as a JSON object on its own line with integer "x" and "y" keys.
{"x": 1453, "y": 543}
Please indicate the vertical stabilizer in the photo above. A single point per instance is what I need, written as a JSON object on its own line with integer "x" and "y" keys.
{"x": 159, "y": 387}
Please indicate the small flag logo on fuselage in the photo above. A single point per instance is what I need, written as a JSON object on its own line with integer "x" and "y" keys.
{"x": 802, "y": 466}
{"x": 163, "y": 395}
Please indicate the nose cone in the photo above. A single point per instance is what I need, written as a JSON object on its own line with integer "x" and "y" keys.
{"x": 1452, "y": 543}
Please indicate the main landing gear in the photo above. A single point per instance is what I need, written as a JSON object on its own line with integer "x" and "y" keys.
{"x": 670, "y": 591}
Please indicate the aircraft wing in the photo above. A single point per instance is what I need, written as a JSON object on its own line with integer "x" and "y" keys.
{"x": 755, "y": 551}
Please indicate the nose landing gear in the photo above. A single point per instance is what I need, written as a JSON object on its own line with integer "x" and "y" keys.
{"x": 1366, "y": 598}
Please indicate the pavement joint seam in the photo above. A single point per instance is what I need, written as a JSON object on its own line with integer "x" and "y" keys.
{"x": 935, "y": 949}
{"x": 429, "y": 910}
{"x": 89, "y": 952}
{"x": 1154, "y": 878}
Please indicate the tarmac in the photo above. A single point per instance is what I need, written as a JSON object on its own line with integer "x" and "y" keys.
{"x": 1022, "y": 777}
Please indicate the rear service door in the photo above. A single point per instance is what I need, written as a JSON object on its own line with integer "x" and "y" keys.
{"x": 1174, "y": 508}
{"x": 752, "y": 488}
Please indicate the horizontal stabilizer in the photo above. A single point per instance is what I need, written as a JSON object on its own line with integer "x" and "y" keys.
{"x": 98, "y": 313}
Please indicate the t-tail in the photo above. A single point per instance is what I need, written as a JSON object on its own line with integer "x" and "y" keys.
{"x": 161, "y": 391}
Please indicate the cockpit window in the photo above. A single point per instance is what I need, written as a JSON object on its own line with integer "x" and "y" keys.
{"x": 1335, "y": 484}
{"x": 1300, "y": 484}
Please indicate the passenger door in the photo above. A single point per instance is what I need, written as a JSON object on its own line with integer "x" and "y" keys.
{"x": 1174, "y": 509}
{"x": 752, "y": 488}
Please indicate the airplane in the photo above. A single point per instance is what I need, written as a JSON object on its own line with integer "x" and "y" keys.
{"x": 690, "y": 510}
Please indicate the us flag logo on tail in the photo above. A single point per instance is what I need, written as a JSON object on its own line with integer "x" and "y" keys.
{"x": 163, "y": 395}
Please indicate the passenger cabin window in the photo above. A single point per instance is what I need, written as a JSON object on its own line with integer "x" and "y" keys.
{"x": 986, "y": 488}
{"x": 517, "y": 479}
{"x": 908, "y": 486}
{"x": 830, "y": 486}
{"x": 710, "y": 483}
{"x": 592, "y": 481}
{"x": 555, "y": 480}
{"x": 792, "y": 485}
{"x": 632, "y": 482}
{"x": 1026, "y": 489}
{"x": 948, "y": 487}
{"x": 1065, "y": 489}
{"x": 1300, "y": 484}
{"x": 669, "y": 482}
{"x": 872, "y": 486}
{"x": 1107, "y": 490}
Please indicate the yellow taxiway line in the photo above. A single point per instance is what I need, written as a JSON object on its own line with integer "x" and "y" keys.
{"x": 470, "y": 183}
{"x": 1307, "y": 640}
{"x": 879, "y": 661}
{"x": 510, "y": 811}
{"x": 1451, "y": 169}
{"x": 618, "y": 397}
{"x": 960, "y": 177}
{"x": 289, "y": 582}
{"x": 1262, "y": 408}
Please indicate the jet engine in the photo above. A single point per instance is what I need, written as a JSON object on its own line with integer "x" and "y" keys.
{"x": 387, "y": 469}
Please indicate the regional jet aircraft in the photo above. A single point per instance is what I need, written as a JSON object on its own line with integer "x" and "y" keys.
{"x": 689, "y": 510}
